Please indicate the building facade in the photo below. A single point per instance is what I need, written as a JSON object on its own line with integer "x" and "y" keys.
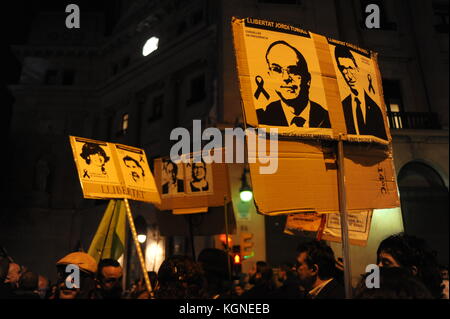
{"x": 82, "y": 82}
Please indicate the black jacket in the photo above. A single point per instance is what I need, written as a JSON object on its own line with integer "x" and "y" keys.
{"x": 274, "y": 116}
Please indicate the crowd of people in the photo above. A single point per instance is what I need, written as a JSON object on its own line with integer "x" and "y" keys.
{"x": 408, "y": 270}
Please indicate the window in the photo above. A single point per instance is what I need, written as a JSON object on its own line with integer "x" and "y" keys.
{"x": 68, "y": 77}
{"x": 124, "y": 126}
{"x": 393, "y": 100}
{"x": 156, "y": 108}
{"x": 440, "y": 16}
{"x": 197, "y": 89}
{"x": 196, "y": 17}
{"x": 52, "y": 77}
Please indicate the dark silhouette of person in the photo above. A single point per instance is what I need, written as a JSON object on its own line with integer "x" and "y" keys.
{"x": 289, "y": 71}
{"x": 199, "y": 182}
{"x": 362, "y": 115}
{"x": 174, "y": 185}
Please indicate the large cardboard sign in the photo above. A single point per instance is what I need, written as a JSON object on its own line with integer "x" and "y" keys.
{"x": 308, "y": 85}
{"x": 191, "y": 186}
{"x": 108, "y": 170}
{"x": 306, "y": 178}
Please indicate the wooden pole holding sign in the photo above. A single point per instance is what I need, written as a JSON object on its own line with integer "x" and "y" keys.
{"x": 343, "y": 215}
{"x": 139, "y": 250}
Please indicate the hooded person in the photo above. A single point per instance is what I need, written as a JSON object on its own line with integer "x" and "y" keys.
{"x": 76, "y": 276}
{"x": 215, "y": 265}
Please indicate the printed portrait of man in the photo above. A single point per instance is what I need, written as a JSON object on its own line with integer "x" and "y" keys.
{"x": 173, "y": 185}
{"x": 199, "y": 181}
{"x": 362, "y": 115}
{"x": 288, "y": 72}
{"x": 94, "y": 156}
{"x": 135, "y": 170}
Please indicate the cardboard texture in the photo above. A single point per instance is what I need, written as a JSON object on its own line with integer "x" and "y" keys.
{"x": 308, "y": 85}
{"x": 306, "y": 179}
{"x": 341, "y": 98}
{"x": 108, "y": 170}
{"x": 188, "y": 188}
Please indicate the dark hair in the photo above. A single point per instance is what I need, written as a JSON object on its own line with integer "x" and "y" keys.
{"x": 181, "y": 278}
{"x": 4, "y": 268}
{"x": 107, "y": 262}
{"x": 395, "y": 283}
{"x": 343, "y": 52}
{"x": 320, "y": 254}
{"x": 175, "y": 166}
{"x": 302, "y": 64}
{"x": 215, "y": 265}
{"x": 28, "y": 281}
{"x": 411, "y": 251}
{"x": 90, "y": 149}
{"x": 129, "y": 158}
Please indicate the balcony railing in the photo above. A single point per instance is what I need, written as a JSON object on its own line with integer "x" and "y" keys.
{"x": 413, "y": 120}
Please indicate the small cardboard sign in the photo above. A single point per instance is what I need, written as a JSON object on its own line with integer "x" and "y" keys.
{"x": 108, "y": 170}
{"x": 358, "y": 227}
{"x": 191, "y": 186}
{"x": 307, "y": 85}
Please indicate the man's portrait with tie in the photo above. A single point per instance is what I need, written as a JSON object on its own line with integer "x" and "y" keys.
{"x": 362, "y": 114}
{"x": 291, "y": 80}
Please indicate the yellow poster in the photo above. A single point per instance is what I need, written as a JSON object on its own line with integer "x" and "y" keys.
{"x": 307, "y": 85}
{"x": 108, "y": 170}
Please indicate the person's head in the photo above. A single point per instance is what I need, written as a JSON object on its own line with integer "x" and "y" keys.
{"x": 109, "y": 275}
{"x": 43, "y": 287}
{"x": 262, "y": 275}
{"x": 180, "y": 277}
{"x": 198, "y": 171}
{"x": 413, "y": 254}
{"x": 238, "y": 289}
{"x": 315, "y": 260}
{"x": 215, "y": 265}
{"x": 87, "y": 267}
{"x": 171, "y": 170}
{"x": 94, "y": 154}
{"x": 288, "y": 70}
{"x": 28, "y": 281}
{"x": 14, "y": 273}
{"x": 286, "y": 272}
{"x": 347, "y": 66}
{"x": 135, "y": 169}
{"x": 395, "y": 283}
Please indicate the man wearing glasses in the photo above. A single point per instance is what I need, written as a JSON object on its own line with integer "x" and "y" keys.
{"x": 362, "y": 114}
{"x": 199, "y": 182}
{"x": 288, "y": 73}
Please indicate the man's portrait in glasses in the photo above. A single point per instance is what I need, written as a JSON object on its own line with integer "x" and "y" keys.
{"x": 291, "y": 81}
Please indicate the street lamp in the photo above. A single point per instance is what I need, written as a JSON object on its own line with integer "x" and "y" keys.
{"x": 245, "y": 192}
{"x": 141, "y": 228}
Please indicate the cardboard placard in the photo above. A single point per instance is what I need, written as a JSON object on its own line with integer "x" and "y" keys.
{"x": 358, "y": 227}
{"x": 306, "y": 178}
{"x": 307, "y": 85}
{"x": 303, "y": 222}
{"x": 191, "y": 187}
{"x": 108, "y": 170}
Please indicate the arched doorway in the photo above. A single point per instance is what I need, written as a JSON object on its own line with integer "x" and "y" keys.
{"x": 424, "y": 201}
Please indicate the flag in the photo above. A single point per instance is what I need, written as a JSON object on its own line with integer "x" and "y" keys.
{"x": 109, "y": 240}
